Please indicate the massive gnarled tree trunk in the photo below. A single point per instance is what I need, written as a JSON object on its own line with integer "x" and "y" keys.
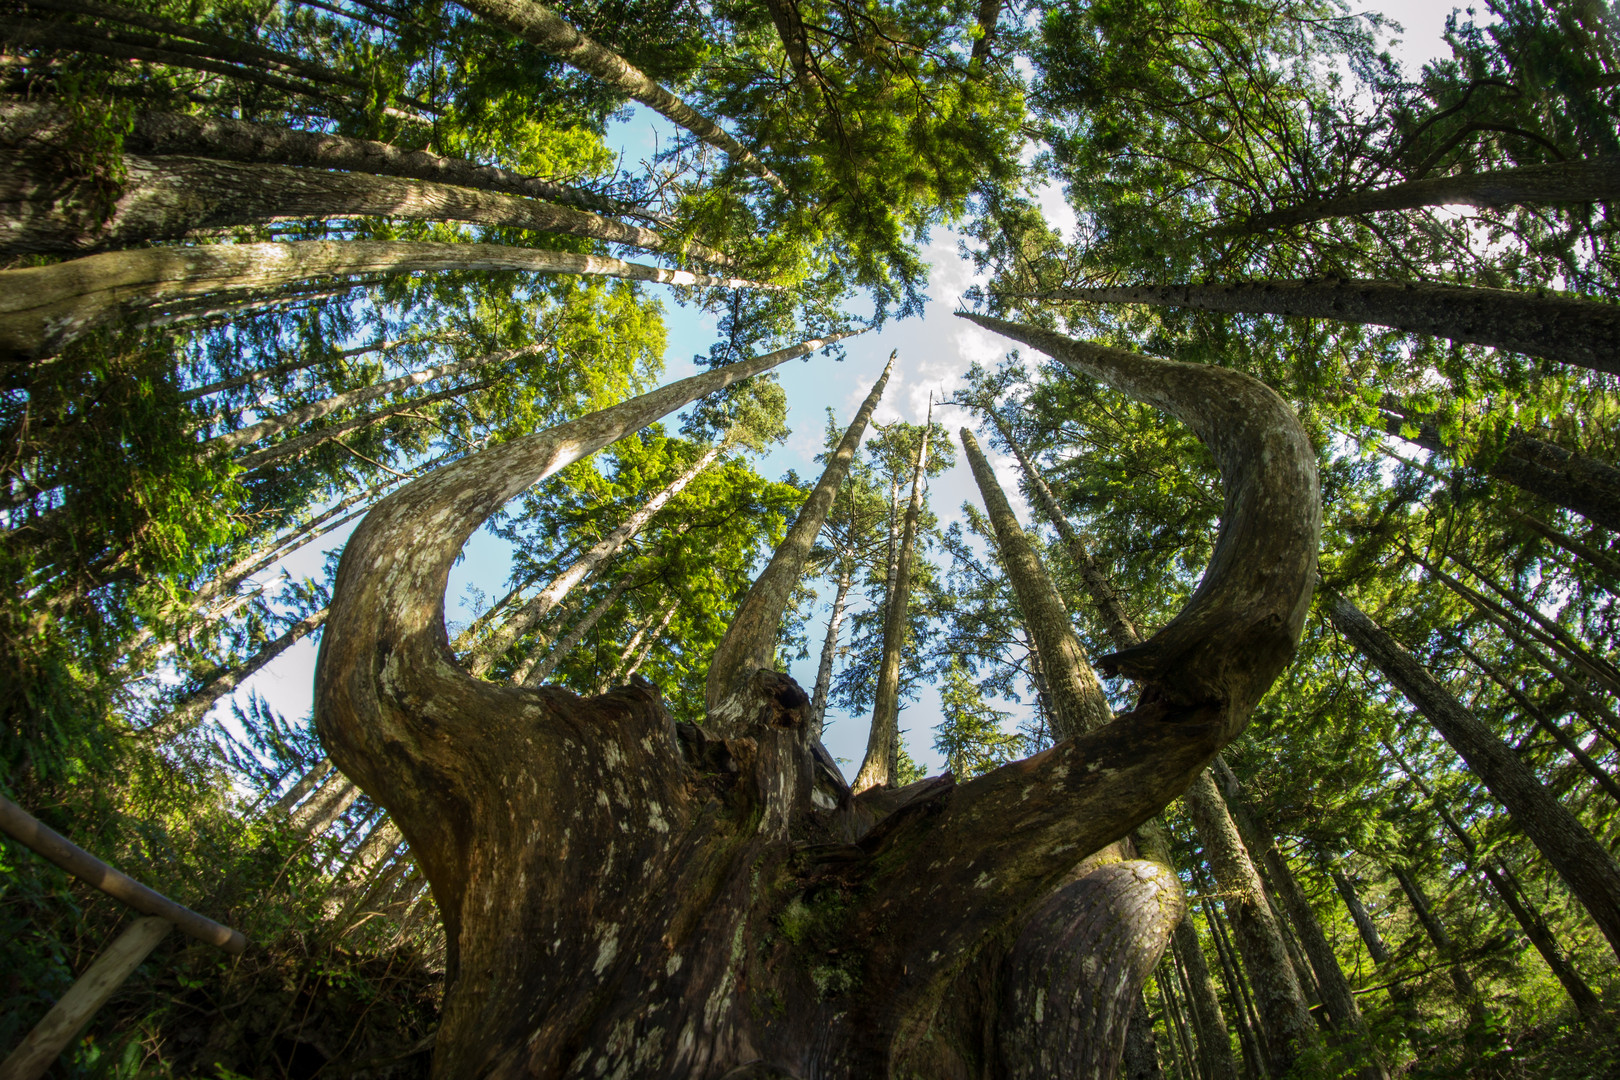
{"x": 624, "y": 895}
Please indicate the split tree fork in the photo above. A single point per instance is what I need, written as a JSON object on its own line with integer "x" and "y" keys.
{"x": 616, "y": 888}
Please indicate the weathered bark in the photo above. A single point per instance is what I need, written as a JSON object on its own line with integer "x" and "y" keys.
{"x": 750, "y": 641}
{"x": 44, "y": 308}
{"x": 882, "y": 743}
{"x": 829, "y": 647}
{"x": 1284, "y": 1014}
{"x": 1077, "y": 699}
{"x": 540, "y": 26}
{"x": 1214, "y": 1041}
{"x": 167, "y": 198}
{"x": 1606, "y": 566}
{"x": 1591, "y": 180}
{"x": 1337, "y": 997}
{"x": 649, "y": 957}
{"x": 1555, "y": 326}
{"x": 192, "y": 708}
{"x": 317, "y": 813}
{"x": 1440, "y": 938}
{"x": 1577, "y": 856}
{"x": 1117, "y": 621}
{"x": 576, "y": 633}
{"x": 172, "y": 134}
{"x": 527, "y": 617}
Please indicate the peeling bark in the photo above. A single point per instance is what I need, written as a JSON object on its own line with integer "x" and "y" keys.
{"x": 1565, "y": 328}
{"x": 623, "y": 894}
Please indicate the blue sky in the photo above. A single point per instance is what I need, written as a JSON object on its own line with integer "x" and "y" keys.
{"x": 933, "y": 351}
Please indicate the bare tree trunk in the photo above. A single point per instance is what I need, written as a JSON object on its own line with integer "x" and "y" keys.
{"x": 191, "y": 709}
{"x": 1237, "y": 992}
{"x": 1078, "y": 702}
{"x": 570, "y": 641}
{"x": 304, "y": 785}
{"x": 878, "y": 765}
{"x": 1141, "y": 1060}
{"x": 44, "y": 308}
{"x": 1399, "y": 994}
{"x": 299, "y": 445}
{"x": 1564, "y": 328}
{"x": 317, "y": 813}
{"x": 486, "y": 652}
{"x": 1117, "y": 622}
{"x": 653, "y": 639}
{"x": 1289, "y": 1028}
{"x": 540, "y": 26}
{"x": 1590, "y": 180}
{"x": 1583, "y": 862}
{"x": 168, "y": 198}
{"x": 554, "y": 624}
{"x": 829, "y": 647}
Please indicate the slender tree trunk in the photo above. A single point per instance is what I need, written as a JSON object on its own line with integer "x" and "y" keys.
{"x": 1399, "y": 995}
{"x": 1334, "y": 988}
{"x": 1607, "y": 567}
{"x": 1141, "y": 1061}
{"x": 1237, "y": 992}
{"x": 1590, "y": 180}
{"x": 1289, "y": 1028}
{"x": 878, "y": 765}
{"x": 1441, "y": 940}
{"x": 540, "y": 26}
{"x": 1117, "y": 622}
{"x": 1571, "y": 747}
{"x": 1506, "y": 887}
{"x": 1583, "y": 862}
{"x": 44, "y": 308}
{"x": 168, "y": 198}
{"x": 305, "y": 784}
{"x": 626, "y": 654}
{"x": 299, "y": 445}
{"x": 1078, "y": 702}
{"x": 653, "y": 639}
{"x": 191, "y": 709}
{"x": 1564, "y": 328}
{"x": 829, "y": 647}
{"x": 570, "y": 641}
{"x": 317, "y": 813}
{"x": 555, "y": 623}
{"x": 1214, "y": 1041}
{"x": 527, "y": 617}
{"x": 1176, "y": 1017}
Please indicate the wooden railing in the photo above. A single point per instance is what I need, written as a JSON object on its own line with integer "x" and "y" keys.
{"x": 117, "y": 961}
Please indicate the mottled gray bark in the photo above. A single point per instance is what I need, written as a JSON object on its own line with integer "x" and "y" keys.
{"x": 1578, "y": 181}
{"x": 303, "y": 786}
{"x": 1577, "y": 856}
{"x": 44, "y": 308}
{"x": 1077, "y": 700}
{"x": 1289, "y": 1028}
{"x": 558, "y": 963}
{"x": 651, "y": 642}
{"x": 1568, "y": 329}
{"x": 882, "y": 744}
{"x": 168, "y": 198}
{"x": 317, "y": 813}
{"x": 749, "y": 644}
{"x": 298, "y": 445}
{"x": 540, "y": 26}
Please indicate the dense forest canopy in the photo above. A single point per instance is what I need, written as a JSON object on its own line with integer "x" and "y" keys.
{"x": 1269, "y": 656}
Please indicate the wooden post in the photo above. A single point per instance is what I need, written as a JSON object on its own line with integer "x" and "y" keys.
{"x": 106, "y": 974}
